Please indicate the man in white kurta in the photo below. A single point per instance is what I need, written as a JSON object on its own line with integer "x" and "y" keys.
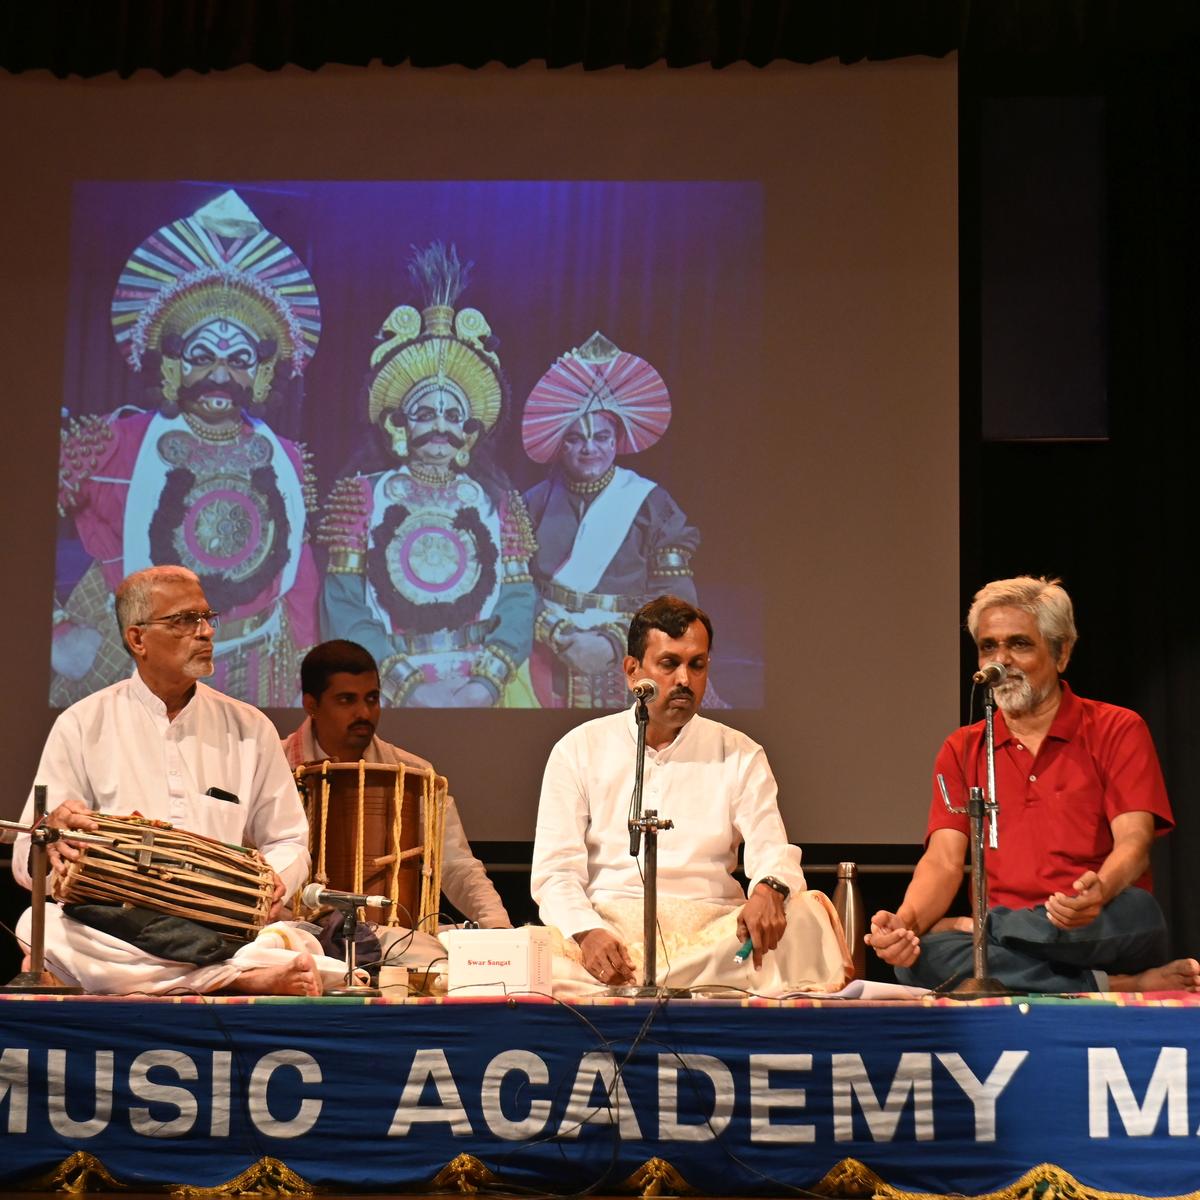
{"x": 155, "y": 744}
{"x": 715, "y": 784}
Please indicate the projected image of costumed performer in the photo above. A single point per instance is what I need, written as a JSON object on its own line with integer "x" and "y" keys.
{"x": 1081, "y": 799}
{"x": 608, "y": 539}
{"x": 429, "y": 561}
{"x": 717, "y": 787}
{"x": 221, "y": 312}
{"x": 163, "y": 745}
{"x": 340, "y": 682}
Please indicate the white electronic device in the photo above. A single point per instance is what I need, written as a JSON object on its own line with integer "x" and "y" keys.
{"x": 498, "y": 962}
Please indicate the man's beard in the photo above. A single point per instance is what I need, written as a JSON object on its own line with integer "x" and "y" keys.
{"x": 1015, "y": 697}
{"x": 199, "y": 668}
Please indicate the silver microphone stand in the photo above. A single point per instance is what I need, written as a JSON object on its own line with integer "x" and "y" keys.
{"x": 37, "y": 981}
{"x": 349, "y": 930}
{"x": 646, "y": 822}
{"x": 980, "y": 808}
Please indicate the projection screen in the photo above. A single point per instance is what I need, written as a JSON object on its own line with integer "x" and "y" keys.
{"x": 736, "y": 289}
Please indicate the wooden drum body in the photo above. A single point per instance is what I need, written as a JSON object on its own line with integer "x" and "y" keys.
{"x": 153, "y": 865}
{"x": 376, "y": 828}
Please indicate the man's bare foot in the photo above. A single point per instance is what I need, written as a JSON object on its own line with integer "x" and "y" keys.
{"x": 953, "y": 925}
{"x": 1182, "y": 975}
{"x": 296, "y": 978}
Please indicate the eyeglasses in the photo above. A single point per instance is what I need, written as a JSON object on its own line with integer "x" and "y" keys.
{"x": 1016, "y": 646}
{"x": 182, "y": 623}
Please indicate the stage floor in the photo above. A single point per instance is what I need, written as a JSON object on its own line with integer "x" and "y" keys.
{"x": 744, "y": 1097}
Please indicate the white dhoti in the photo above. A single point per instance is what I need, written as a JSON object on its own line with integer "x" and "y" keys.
{"x": 698, "y": 941}
{"x": 106, "y": 966}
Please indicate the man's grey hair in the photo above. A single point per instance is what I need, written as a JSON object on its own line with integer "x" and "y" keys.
{"x": 135, "y": 594}
{"x": 1044, "y": 599}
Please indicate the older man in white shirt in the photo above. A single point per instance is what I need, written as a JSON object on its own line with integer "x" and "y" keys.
{"x": 714, "y": 783}
{"x": 155, "y": 744}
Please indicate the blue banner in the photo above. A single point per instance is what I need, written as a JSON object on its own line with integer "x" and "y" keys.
{"x": 738, "y": 1099}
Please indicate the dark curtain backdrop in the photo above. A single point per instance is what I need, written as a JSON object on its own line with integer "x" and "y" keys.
{"x": 1117, "y": 518}
{"x": 91, "y": 37}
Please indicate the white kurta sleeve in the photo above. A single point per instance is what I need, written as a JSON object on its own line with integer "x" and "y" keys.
{"x": 756, "y": 817}
{"x": 275, "y": 822}
{"x": 464, "y": 878}
{"x": 559, "y": 875}
{"x": 61, "y": 769}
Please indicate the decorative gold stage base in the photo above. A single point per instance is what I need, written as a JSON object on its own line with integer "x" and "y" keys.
{"x": 465, "y": 1173}
{"x": 84, "y": 1173}
{"x": 656, "y": 1177}
{"x": 849, "y": 1180}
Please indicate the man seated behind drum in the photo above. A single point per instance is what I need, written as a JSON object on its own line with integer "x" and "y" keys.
{"x": 340, "y": 682}
{"x": 165, "y": 745}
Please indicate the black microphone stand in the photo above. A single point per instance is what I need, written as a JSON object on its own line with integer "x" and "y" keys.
{"x": 645, "y": 821}
{"x": 978, "y": 809}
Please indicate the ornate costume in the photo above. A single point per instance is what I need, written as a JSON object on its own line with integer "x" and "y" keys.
{"x": 605, "y": 545}
{"x": 428, "y": 561}
{"x": 227, "y": 498}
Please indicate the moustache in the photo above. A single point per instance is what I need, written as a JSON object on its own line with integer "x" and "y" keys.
{"x": 234, "y": 392}
{"x": 681, "y": 693}
{"x": 436, "y": 435}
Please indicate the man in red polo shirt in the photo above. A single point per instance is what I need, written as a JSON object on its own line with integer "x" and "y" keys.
{"x": 1081, "y": 800}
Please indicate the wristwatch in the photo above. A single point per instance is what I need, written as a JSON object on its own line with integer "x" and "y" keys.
{"x": 777, "y": 885}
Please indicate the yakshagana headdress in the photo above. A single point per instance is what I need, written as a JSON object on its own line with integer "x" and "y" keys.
{"x": 219, "y": 262}
{"x": 437, "y": 348}
{"x": 597, "y": 377}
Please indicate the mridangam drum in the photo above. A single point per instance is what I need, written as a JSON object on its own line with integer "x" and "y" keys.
{"x": 376, "y": 828}
{"x": 153, "y": 865}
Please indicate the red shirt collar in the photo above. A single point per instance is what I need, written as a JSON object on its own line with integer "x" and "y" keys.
{"x": 1066, "y": 721}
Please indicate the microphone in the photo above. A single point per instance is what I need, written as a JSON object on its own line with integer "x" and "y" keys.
{"x": 314, "y": 895}
{"x": 993, "y": 674}
{"x": 645, "y": 689}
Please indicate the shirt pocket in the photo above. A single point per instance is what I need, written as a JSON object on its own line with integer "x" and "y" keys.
{"x": 1075, "y": 832}
{"x": 221, "y": 820}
